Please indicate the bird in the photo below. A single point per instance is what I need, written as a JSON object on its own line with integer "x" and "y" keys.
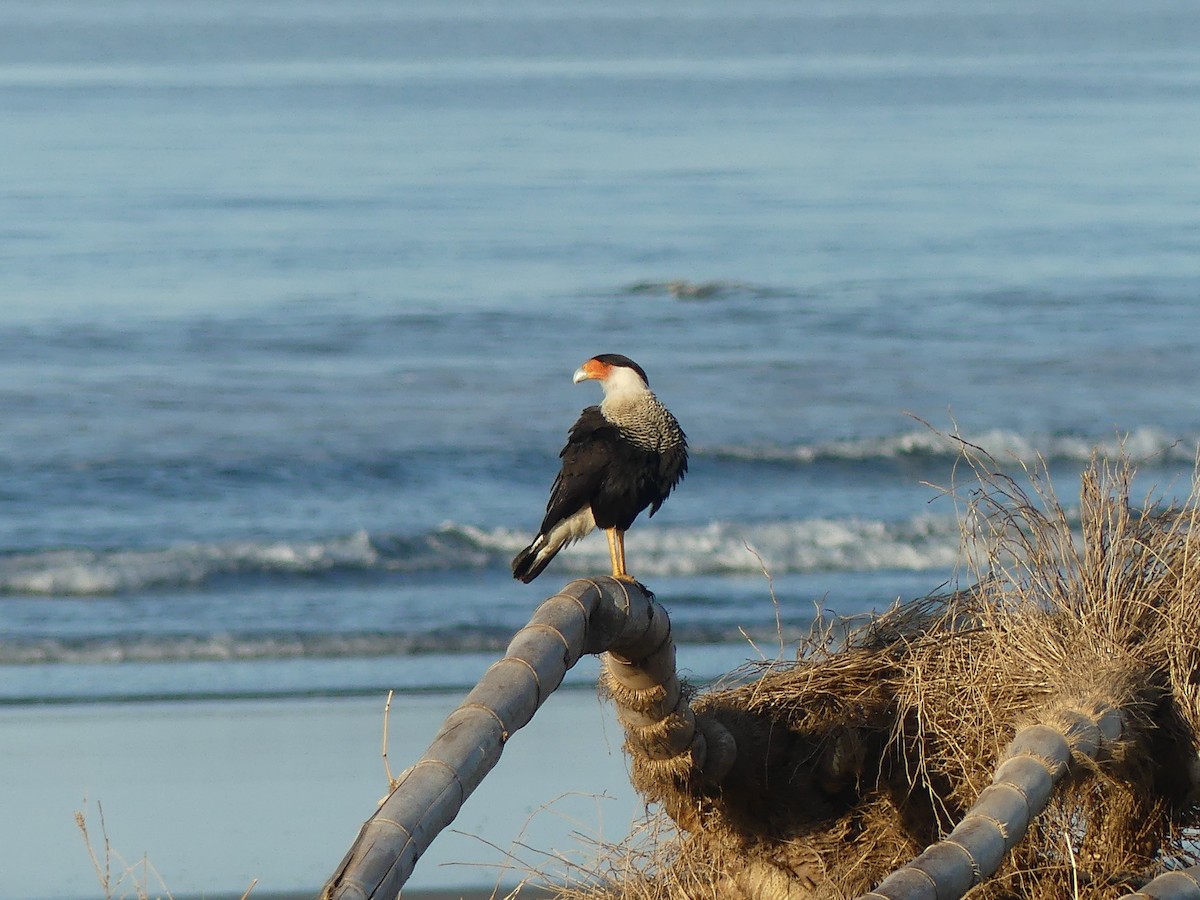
{"x": 622, "y": 456}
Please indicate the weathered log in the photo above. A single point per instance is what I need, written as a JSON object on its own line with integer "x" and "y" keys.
{"x": 587, "y": 616}
{"x": 1034, "y": 762}
{"x": 1182, "y": 884}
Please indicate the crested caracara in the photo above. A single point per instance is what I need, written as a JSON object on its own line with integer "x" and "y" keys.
{"x": 621, "y": 456}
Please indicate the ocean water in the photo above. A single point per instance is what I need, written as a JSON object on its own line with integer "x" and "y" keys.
{"x": 291, "y": 294}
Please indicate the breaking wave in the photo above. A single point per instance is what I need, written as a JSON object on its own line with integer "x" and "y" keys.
{"x": 1147, "y": 444}
{"x": 716, "y": 548}
{"x": 731, "y": 548}
{"x": 87, "y": 572}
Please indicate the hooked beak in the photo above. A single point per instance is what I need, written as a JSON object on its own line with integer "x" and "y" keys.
{"x": 593, "y": 368}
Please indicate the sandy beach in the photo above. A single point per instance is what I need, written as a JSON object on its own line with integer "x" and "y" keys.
{"x": 218, "y": 794}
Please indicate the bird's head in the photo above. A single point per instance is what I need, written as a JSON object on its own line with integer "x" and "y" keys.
{"x": 616, "y": 374}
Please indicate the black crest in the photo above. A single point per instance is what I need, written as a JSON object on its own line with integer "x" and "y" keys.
{"x": 616, "y": 359}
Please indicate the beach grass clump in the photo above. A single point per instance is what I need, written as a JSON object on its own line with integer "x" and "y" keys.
{"x": 870, "y": 746}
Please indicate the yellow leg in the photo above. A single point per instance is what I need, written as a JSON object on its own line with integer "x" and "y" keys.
{"x": 616, "y": 552}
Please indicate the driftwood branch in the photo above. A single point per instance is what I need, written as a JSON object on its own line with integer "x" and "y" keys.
{"x": 1024, "y": 780}
{"x": 587, "y": 616}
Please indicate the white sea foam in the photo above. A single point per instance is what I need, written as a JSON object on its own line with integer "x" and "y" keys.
{"x": 88, "y": 572}
{"x": 1140, "y": 444}
{"x": 716, "y": 548}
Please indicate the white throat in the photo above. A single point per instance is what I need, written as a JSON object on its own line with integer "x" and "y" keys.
{"x": 623, "y": 388}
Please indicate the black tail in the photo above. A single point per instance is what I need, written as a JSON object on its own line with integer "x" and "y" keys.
{"x": 528, "y": 564}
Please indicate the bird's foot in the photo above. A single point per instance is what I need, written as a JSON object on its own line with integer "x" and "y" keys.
{"x": 629, "y": 579}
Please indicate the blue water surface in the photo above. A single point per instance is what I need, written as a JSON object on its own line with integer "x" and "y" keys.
{"x": 291, "y": 294}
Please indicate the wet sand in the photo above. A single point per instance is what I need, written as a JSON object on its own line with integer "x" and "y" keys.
{"x": 216, "y": 794}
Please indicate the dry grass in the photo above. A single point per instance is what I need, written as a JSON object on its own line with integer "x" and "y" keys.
{"x": 860, "y": 752}
{"x": 119, "y": 879}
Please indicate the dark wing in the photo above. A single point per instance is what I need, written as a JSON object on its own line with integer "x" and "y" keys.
{"x": 585, "y": 462}
{"x": 672, "y": 466}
